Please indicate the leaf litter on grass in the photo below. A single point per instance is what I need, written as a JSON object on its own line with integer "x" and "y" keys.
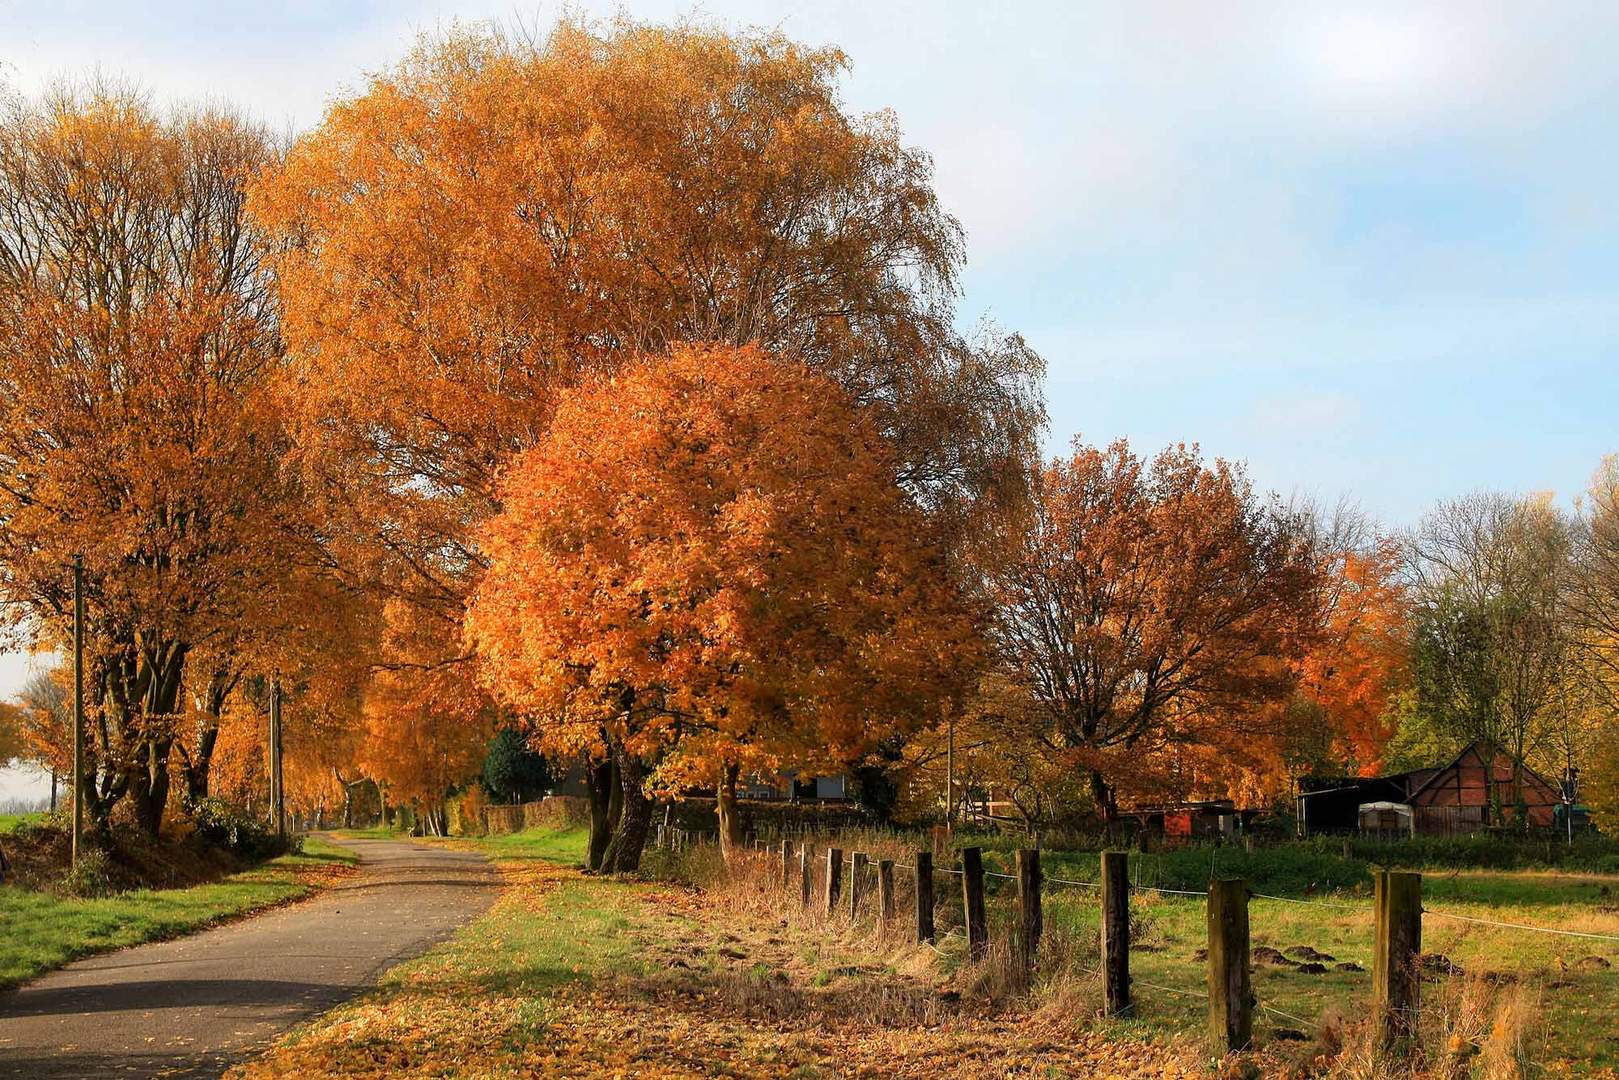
{"x": 569, "y": 976}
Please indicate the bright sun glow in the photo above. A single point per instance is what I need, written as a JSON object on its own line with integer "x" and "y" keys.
{"x": 1375, "y": 54}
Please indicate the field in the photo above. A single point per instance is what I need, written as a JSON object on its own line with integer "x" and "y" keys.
{"x": 694, "y": 972}
{"x": 43, "y": 930}
{"x": 11, "y": 822}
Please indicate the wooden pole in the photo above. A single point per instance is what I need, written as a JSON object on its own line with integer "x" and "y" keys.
{"x": 1116, "y": 933}
{"x": 1231, "y": 996}
{"x": 972, "y": 895}
{"x": 924, "y": 897}
{"x": 857, "y": 882}
{"x": 806, "y": 872}
{"x": 885, "y": 891}
{"x": 950, "y": 777}
{"x": 834, "y": 878}
{"x": 1031, "y": 921}
{"x": 1397, "y": 899}
{"x": 78, "y": 709}
{"x": 278, "y": 806}
{"x": 786, "y": 863}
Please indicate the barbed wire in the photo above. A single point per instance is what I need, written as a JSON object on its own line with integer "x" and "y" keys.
{"x": 1272, "y": 1010}
{"x": 1309, "y": 903}
{"x": 1079, "y": 884}
{"x": 1176, "y": 892}
{"x": 1521, "y": 926}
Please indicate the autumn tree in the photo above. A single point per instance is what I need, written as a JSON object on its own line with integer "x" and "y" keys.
{"x": 708, "y": 559}
{"x": 1357, "y": 663}
{"x": 136, "y": 341}
{"x": 495, "y": 219}
{"x": 1151, "y": 610}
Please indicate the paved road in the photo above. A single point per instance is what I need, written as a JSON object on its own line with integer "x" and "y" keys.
{"x": 190, "y": 1007}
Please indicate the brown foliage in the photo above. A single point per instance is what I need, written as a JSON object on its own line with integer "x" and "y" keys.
{"x": 1151, "y": 609}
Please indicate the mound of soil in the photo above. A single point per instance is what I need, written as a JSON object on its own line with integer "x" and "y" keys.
{"x": 40, "y": 854}
{"x": 1305, "y": 952}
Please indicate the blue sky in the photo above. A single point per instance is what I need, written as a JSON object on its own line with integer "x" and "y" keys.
{"x": 1369, "y": 249}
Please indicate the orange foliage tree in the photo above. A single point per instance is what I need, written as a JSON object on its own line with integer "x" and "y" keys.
{"x": 709, "y": 561}
{"x": 1152, "y": 610}
{"x": 1359, "y": 660}
{"x": 494, "y": 219}
{"x": 137, "y": 341}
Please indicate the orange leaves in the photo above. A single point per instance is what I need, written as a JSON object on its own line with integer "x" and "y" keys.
{"x": 709, "y": 553}
{"x": 1359, "y": 660}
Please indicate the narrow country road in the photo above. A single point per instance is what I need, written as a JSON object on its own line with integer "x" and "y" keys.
{"x": 191, "y": 1007}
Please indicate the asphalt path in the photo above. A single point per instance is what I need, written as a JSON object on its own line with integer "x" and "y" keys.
{"x": 193, "y": 1006}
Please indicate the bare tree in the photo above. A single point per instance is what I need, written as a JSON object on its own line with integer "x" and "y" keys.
{"x": 1493, "y": 649}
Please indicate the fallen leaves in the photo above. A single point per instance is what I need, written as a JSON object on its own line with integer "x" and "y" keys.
{"x": 746, "y": 1003}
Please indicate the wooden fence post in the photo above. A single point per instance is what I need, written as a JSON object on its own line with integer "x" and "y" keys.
{"x": 972, "y": 895}
{"x": 857, "y": 882}
{"x": 924, "y": 897}
{"x": 1031, "y": 920}
{"x": 834, "y": 878}
{"x": 1116, "y": 933}
{"x": 786, "y": 863}
{"x": 1397, "y": 899}
{"x": 1231, "y": 996}
{"x": 806, "y": 871}
{"x": 885, "y": 891}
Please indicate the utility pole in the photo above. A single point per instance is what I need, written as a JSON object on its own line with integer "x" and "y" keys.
{"x": 950, "y": 777}
{"x": 278, "y": 808}
{"x": 78, "y": 707}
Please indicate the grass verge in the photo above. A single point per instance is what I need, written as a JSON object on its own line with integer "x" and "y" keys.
{"x": 42, "y": 931}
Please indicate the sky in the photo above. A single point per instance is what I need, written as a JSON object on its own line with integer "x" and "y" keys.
{"x": 1369, "y": 249}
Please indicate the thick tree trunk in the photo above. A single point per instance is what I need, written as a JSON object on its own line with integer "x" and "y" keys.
{"x": 601, "y": 782}
{"x": 730, "y": 820}
{"x": 149, "y": 784}
{"x": 623, "y": 854}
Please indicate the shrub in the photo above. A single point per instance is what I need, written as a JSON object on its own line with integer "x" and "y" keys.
{"x": 227, "y": 826}
{"x": 91, "y": 877}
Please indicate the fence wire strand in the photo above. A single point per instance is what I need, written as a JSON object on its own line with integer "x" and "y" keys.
{"x": 1520, "y": 926}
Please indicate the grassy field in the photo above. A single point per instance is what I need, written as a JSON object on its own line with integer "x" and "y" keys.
{"x": 40, "y": 931}
{"x": 10, "y": 822}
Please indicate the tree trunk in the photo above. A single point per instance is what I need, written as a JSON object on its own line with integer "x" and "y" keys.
{"x": 600, "y": 781}
{"x": 1106, "y": 798}
{"x": 730, "y": 821}
{"x": 149, "y": 784}
{"x": 623, "y": 853}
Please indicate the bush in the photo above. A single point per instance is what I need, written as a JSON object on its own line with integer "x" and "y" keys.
{"x": 91, "y": 877}
{"x": 226, "y": 826}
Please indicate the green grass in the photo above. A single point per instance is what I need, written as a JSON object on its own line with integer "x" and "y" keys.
{"x": 564, "y": 847}
{"x": 40, "y": 931}
{"x": 374, "y": 833}
{"x": 12, "y": 822}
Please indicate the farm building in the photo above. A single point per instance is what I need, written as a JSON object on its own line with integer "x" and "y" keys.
{"x": 1457, "y": 797}
{"x": 1461, "y": 796}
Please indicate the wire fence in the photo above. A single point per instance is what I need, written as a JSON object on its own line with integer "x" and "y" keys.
{"x": 1265, "y": 1006}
